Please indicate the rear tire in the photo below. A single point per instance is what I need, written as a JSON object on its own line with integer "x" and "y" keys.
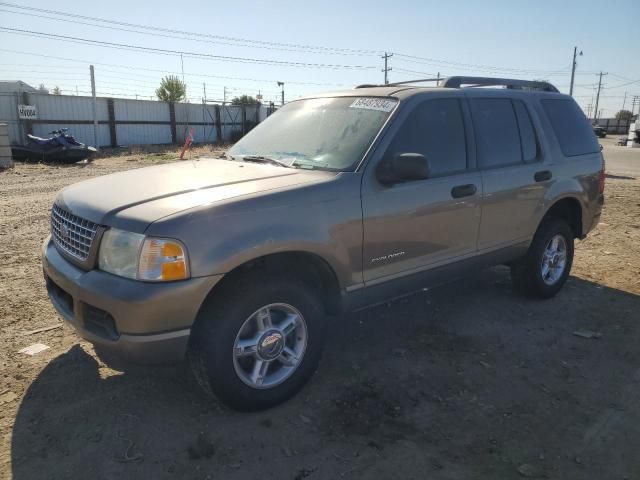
{"x": 227, "y": 342}
{"x": 542, "y": 272}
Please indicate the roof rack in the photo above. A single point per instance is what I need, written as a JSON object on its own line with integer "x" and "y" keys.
{"x": 471, "y": 82}
{"x": 396, "y": 84}
{"x": 457, "y": 82}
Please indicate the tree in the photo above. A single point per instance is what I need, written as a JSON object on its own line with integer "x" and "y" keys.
{"x": 56, "y": 90}
{"x": 43, "y": 89}
{"x": 244, "y": 100}
{"x": 624, "y": 115}
{"x": 171, "y": 89}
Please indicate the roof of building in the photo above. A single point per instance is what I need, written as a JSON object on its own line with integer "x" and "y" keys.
{"x": 15, "y": 86}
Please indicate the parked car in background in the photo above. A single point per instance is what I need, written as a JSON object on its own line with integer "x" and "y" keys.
{"x": 335, "y": 202}
{"x": 599, "y": 131}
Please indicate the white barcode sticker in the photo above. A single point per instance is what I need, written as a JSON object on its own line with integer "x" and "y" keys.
{"x": 370, "y": 103}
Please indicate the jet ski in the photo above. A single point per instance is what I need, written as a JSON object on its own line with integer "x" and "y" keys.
{"x": 61, "y": 148}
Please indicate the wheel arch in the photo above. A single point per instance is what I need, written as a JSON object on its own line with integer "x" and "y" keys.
{"x": 570, "y": 210}
{"x": 306, "y": 266}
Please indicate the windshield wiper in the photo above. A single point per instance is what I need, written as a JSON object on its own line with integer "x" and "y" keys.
{"x": 263, "y": 159}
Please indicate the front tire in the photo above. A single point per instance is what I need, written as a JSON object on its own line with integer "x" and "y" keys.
{"x": 258, "y": 340}
{"x": 545, "y": 268}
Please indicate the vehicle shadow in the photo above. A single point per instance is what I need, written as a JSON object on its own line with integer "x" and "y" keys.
{"x": 465, "y": 381}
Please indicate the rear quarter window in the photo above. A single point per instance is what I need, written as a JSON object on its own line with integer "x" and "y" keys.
{"x": 571, "y": 127}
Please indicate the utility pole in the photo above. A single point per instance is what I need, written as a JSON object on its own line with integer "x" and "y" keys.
{"x": 95, "y": 108}
{"x": 438, "y": 80}
{"x": 624, "y": 101}
{"x": 589, "y": 107}
{"x": 281, "y": 84}
{"x": 182, "y": 68}
{"x": 204, "y": 107}
{"x": 224, "y": 96}
{"x": 573, "y": 68}
{"x": 386, "y": 68}
{"x": 595, "y": 110}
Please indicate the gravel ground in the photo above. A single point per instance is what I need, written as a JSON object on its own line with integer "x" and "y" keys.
{"x": 465, "y": 381}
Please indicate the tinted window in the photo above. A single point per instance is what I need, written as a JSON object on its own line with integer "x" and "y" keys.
{"x": 527, "y": 133}
{"x": 571, "y": 127}
{"x": 435, "y": 128}
{"x": 497, "y": 135}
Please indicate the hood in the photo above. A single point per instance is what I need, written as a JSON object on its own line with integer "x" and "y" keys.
{"x": 144, "y": 195}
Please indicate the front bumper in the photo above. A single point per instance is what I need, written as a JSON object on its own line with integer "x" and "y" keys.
{"x": 139, "y": 321}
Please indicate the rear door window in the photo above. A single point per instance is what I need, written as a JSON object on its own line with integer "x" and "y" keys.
{"x": 571, "y": 127}
{"x": 435, "y": 128}
{"x": 497, "y": 134}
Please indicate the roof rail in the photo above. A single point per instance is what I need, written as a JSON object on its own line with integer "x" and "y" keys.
{"x": 420, "y": 80}
{"x": 397, "y": 84}
{"x": 457, "y": 82}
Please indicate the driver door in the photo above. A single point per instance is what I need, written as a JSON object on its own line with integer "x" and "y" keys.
{"x": 415, "y": 225}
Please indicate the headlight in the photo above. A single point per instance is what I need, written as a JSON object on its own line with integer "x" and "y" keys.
{"x": 119, "y": 252}
{"x": 135, "y": 256}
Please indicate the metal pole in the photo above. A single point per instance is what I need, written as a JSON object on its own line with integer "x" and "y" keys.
{"x": 281, "y": 84}
{"x": 386, "y": 68}
{"x": 95, "y": 108}
{"x": 204, "y": 107}
{"x": 573, "y": 70}
{"x": 595, "y": 110}
{"x": 186, "y": 109}
{"x": 182, "y": 68}
{"x": 438, "y": 80}
{"x": 622, "y": 110}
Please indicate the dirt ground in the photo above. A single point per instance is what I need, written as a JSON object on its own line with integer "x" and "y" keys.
{"x": 465, "y": 381}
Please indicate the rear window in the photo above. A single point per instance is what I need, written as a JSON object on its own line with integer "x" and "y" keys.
{"x": 571, "y": 127}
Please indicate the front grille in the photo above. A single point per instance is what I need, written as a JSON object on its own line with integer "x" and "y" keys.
{"x": 71, "y": 233}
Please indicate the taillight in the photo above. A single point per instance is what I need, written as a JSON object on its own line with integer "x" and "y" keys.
{"x": 601, "y": 178}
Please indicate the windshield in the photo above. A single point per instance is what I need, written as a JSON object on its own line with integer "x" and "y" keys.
{"x": 323, "y": 133}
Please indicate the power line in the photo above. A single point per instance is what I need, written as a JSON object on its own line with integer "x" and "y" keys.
{"x": 162, "y": 51}
{"x": 136, "y": 68}
{"x": 257, "y": 43}
{"x": 435, "y": 61}
{"x": 177, "y": 37}
{"x": 245, "y": 42}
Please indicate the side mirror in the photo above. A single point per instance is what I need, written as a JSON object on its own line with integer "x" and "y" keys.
{"x": 403, "y": 167}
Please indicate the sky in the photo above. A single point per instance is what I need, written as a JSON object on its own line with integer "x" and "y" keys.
{"x": 247, "y": 47}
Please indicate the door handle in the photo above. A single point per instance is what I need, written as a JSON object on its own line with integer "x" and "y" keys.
{"x": 463, "y": 190}
{"x": 543, "y": 176}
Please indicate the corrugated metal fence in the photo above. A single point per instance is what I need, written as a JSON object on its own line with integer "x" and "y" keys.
{"x": 614, "y": 125}
{"x": 128, "y": 122}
